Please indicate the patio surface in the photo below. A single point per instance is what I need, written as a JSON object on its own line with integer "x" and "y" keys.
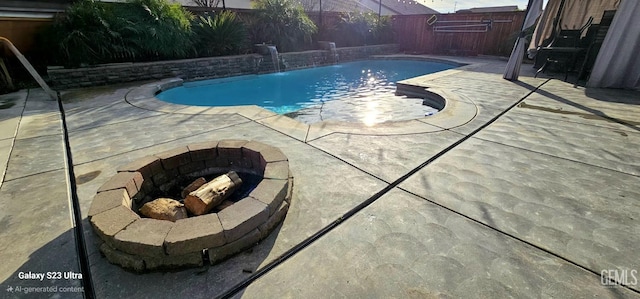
{"x": 537, "y": 203}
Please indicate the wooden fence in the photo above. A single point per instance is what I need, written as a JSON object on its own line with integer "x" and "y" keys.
{"x": 448, "y": 34}
{"x": 414, "y": 33}
{"x": 21, "y": 32}
{"x": 460, "y": 33}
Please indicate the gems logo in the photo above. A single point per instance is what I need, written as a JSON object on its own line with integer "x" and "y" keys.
{"x": 619, "y": 277}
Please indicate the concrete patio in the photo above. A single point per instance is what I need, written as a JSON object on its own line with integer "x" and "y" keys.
{"x": 535, "y": 196}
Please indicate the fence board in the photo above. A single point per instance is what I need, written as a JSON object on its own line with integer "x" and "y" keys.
{"x": 415, "y": 35}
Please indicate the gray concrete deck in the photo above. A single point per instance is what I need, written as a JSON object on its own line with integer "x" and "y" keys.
{"x": 36, "y": 224}
{"x": 536, "y": 204}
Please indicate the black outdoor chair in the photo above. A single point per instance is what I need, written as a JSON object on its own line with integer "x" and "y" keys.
{"x": 565, "y": 50}
{"x": 597, "y": 39}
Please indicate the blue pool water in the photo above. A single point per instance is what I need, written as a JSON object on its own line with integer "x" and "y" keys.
{"x": 305, "y": 89}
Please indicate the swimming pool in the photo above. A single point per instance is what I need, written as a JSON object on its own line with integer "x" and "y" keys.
{"x": 354, "y": 91}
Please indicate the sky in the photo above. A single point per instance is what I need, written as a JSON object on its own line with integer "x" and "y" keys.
{"x": 447, "y": 6}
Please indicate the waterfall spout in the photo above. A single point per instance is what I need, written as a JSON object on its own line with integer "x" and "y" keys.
{"x": 274, "y": 57}
{"x": 331, "y": 47}
{"x": 334, "y": 52}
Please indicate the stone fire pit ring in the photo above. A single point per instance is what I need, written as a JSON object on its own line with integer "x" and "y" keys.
{"x": 143, "y": 244}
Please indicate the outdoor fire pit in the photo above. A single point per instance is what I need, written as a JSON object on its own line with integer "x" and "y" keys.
{"x": 248, "y": 215}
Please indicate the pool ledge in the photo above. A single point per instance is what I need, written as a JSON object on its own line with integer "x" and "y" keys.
{"x": 456, "y": 111}
{"x": 144, "y": 97}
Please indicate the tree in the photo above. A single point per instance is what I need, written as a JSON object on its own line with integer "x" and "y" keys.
{"x": 283, "y": 23}
{"x": 207, "y": 3}
{"x": 222, "y": 34}
{"x": 314, "y": 5}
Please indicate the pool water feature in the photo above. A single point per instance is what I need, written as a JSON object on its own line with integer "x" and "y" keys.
{"x": 274, "y": 57}
{"x": 361, "y": 91}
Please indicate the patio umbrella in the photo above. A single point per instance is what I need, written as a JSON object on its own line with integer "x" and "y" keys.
{"x": 617, "y": 64}
{"x": 511, "y": 72}
{"x": 545, "y": 29}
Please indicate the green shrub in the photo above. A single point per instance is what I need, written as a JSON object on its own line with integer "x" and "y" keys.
{"x": 159, "y": 29}
{"x": 91, "y": 32}
{"x": 357, "y": 29}
{"x": 222, "y": 34}
{"x": 283, "y": 23}
{"x": 383, "y": 31}
{"x": 82, "y": 35}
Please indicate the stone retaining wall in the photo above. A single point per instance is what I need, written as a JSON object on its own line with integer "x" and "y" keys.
{"x": 205, "y": 68}
{"x": 307, "y": 59}
{"x": 357, "y": 53}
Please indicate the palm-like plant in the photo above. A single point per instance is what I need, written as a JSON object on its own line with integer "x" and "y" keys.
{"x": 84, "y": 35}
{"x": 92, "y": 32}
{"x": 159, "y": 29}
{"x": 283, "y": 23}
{"x": 222, "y": 34}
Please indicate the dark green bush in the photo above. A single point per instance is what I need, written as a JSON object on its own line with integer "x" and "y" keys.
{"x": 383, "y": 31}
{"x": 92, "y": 32}
{"x": 282, "y": 23}
{"x": 156, "y": 27}
{"x": 357, "y": 29}
{"x": 83, "y": 35}
{"x": 222, "y": 34}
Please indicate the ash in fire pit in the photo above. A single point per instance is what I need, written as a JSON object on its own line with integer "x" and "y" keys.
{"x": 243, "y": 214}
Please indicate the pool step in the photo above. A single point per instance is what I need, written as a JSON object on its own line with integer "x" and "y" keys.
{"x": 410, "y": 90}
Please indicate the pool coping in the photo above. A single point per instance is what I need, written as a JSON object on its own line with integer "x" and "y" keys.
{"x": 457, "y": 111}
